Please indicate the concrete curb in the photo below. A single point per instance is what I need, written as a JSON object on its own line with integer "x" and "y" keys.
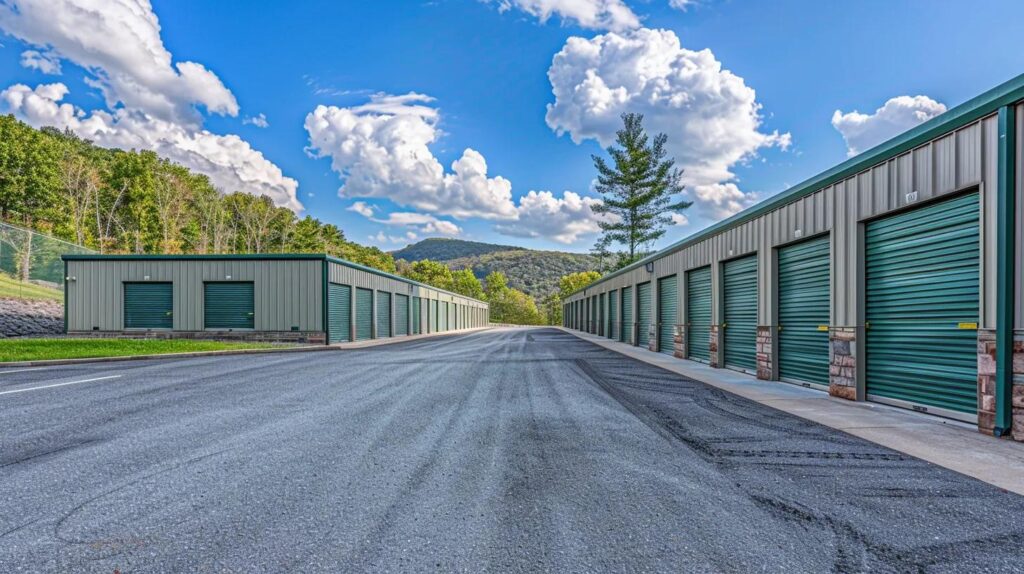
{"x": 52, "y": 362}
{"x": 950, "y": 444}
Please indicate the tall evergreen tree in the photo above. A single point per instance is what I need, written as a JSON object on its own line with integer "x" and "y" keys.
{"x": 638, "y": 189}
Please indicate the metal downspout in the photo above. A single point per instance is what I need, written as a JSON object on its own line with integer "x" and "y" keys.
{"x": 1005, "y": 210}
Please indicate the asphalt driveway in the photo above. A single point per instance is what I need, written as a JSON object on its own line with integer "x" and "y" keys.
{"x": 507, "y": 450}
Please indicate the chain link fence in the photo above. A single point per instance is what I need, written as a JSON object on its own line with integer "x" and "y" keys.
{"x": 30, "y": 264}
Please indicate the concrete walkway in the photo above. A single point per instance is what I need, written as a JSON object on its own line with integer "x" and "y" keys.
{"x": 951, "y": 444}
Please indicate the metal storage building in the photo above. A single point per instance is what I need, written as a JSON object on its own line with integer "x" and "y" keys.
{"x": 895, "y": 276}
{"x": 274, "y": 297}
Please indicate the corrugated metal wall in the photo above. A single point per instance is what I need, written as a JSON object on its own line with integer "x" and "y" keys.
{"x": 961, "y": 160}
{"x": 288, "y": 293}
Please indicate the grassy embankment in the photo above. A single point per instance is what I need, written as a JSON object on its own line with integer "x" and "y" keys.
{"x": 42, "y": 349}
{"x": 11, "y": 288}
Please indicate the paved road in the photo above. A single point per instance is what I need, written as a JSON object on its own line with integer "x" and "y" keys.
{"x": 504, "y": 450}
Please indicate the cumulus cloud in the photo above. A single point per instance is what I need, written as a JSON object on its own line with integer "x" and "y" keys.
{"x": 420, "y": 222}
{"x": 679, "y": 220}
{"x": 362, "y": 208}
{"x": 899, "y": 114}
{"x": 45, "y": 62}
{"x": 259, "y": 121}
{"x": 152, "y": 102}
{"x": 564, "y": 219}
{"x": 381, "y": 149}
{"x": 118, "y": 42}
{"x": 593, "y": 14}
{"x": 711, "y": 116}
{"x": 230, "y": 162}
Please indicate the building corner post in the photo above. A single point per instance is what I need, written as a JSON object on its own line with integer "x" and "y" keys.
{"x": 1005, "y": 273}
{"x": 326, "y": 298}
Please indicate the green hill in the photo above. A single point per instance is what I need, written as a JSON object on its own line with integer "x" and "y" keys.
{"x": 534, "y": 272}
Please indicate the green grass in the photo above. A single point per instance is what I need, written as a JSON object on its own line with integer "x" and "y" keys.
{"x": 42, "y": 349}
{"x": 12, "y": 288}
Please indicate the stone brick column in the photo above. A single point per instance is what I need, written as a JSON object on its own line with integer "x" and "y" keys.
{"x": 765, "y": 356}
{"x": 652, "y": 337}
{"x": 713, "y": 347}
{"x": 842, "y": 380}
{"x": 1018, "y": 386}
{"x": 679, "y": 346}
{"x": 986, "y": 380}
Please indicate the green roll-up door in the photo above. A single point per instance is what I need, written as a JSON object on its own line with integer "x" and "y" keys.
{"x": 443, "y": 316}
{"x": 364, "y": 314}
{"x": 417, "y": 318}
{"x": 740, "y": 317}
{"x": 643, "y": 299}
{"x": 452, "y": 314}
{"x": 148, "y": 306}
{"x": 922, "y": 275}
{"x": 698, "y": 314}
{"x": 228, "y": 306}
{"x": 432, "y": 315}
{"x": 383, "y": 314}
{"x": 668, "y": 296}
{"x": 804, "y": 311}
{"x": 593, "y": 315}
{"x": 601, "y": 315}
{"x": 613, "y": 314}
{"x": 339, "y": 315}
{"x": 626, "y": 332}
{"x": 401, "y": 315}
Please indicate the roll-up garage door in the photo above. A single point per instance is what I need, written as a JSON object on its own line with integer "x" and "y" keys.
{"x": 668, "y": 295}
{"x": 401, "y": 315}
{"x": 740, "y": 315}
{"x": 443, "y": 314}
{"x": 228, "y": 305}
{"x": 922, "y": 273}
{"x": 643, "y": 299}
{"x": 148, "y": 306}
{"x": 452, "y": 315}
{"x": 364, "y": 314}
{"x": 339, "y": 312}
{"x": 613, "y": 314}
{"x": 626, "y": 332}
{"x": 602, "y": 314}
{"x": 383, "y": 314}
{"x": 804, "y": 311}
{"x": 432, "y": 315}
{"x": 698, "y": 314}
{"x": 417, "y": 317}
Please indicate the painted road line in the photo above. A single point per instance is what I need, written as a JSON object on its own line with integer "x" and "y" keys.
{"x": 25, "y": 370}
{"x": 60, "y": 385}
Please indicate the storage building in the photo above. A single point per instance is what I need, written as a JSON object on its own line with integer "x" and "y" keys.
{"x": 893, "y": 277}
{"x": 285, "y": 297}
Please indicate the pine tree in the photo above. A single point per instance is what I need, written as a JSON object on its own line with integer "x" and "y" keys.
{"x": 638, "y": 189}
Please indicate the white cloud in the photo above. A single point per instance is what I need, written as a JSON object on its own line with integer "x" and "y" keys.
{"x": 681, "y": 4}
{"x": 230, "y": 162}
{"x": 678, "y": 219}
{"x": 381, "y": 149}
{"x": 899, "y": 114}
{"x": 564, "y": 219}
{"x": 260, "y": 121}
{"x": 362, "y": 208}
{"x": 45, "y": 62}
{"x": 151, "y": 102}
{"x": 118, "y": 42}
{"x": 711, "y": 116}
{"x": 716, "y": 201}
{"x": 593, "y": 14}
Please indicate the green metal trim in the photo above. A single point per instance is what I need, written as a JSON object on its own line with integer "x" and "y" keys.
{"x": 1005, "y": 200}
{"x": 326, "y": 305}
{"x": 66, "y": 297}
{"x": 970, "y": 111}
{"x": 261, "y": 256}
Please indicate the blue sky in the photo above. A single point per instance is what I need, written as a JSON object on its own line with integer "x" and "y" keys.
{"x": 746, "y": 91}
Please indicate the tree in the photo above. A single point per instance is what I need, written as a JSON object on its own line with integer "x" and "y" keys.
{"x": 465, "y": 283}
{"x": 432, "y": 273}
{"x": 573, "y": 282}
{"x": 636, "y": 190}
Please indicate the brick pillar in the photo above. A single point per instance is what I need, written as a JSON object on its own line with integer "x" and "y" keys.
{"x": 679, "y": 342}
{"x": 842, "y": 380}
{"x": 765, "y": 358}
{"x": 652, "y": 337}
{"x": 986, "y": 380}
{"x": 713, "y": 347}
{"x": 1018, "y": 386}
